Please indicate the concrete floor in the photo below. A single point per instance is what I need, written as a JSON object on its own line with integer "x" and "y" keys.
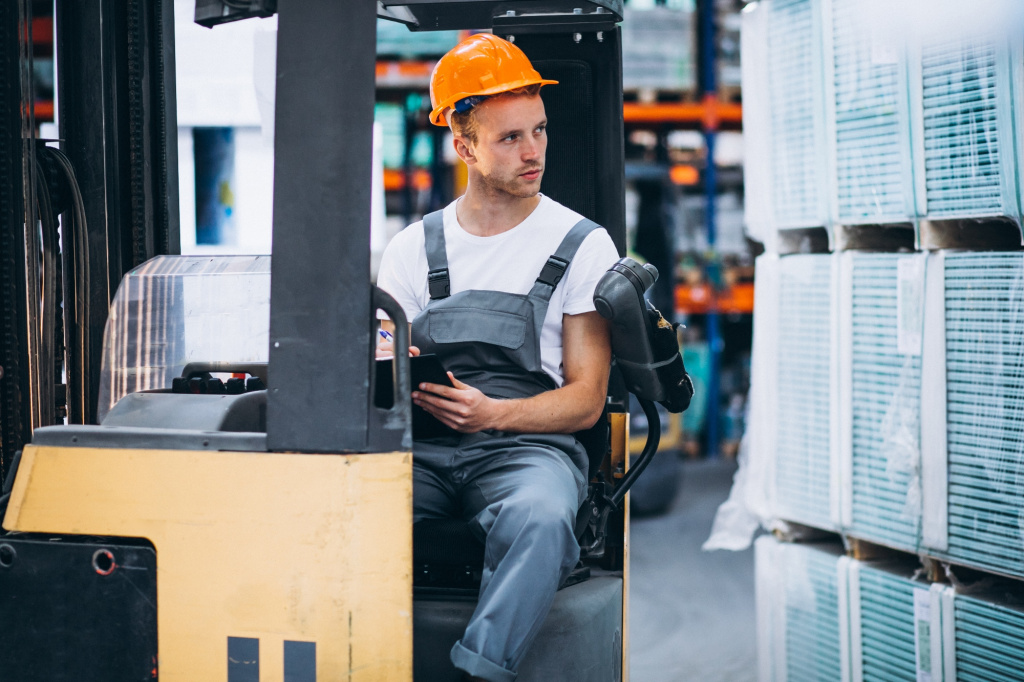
{"x": 691, "y": 612}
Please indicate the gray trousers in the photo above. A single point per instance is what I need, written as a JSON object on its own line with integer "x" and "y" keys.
{"x": 520, "y": 494}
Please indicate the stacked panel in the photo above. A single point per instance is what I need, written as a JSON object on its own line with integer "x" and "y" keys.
{"x": 870, "y": 113}
{"x": 658, "y": 49}
{"x": 984, "y": 300}
{"x": 885, "y": 373}
{"x": 799, "y": 595}
{"x": 823, "y": 617}
{"x": 758, "y": 216}
{"x": 805, "y": 394}
{"x": 989, "y": 640}
{"x": 797, "y": 113}
{"x": 887, "y": 625}
{"x": 812, "y": 626}
{"x": 968, "y": 155}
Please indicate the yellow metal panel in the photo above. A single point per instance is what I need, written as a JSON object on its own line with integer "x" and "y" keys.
{"x": 620, "y": 439}
{"x": 619, "y": 423}
{"x": 314, "y": 548}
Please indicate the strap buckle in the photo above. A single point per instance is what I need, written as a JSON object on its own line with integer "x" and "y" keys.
{"x": 438, "y": 283}
{"x": 553, "y": 271}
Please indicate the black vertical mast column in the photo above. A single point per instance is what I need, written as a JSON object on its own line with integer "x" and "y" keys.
{"x": 118, "y": 125}
{"x": 14, "y": 385}
{"x": 320, "y": 316}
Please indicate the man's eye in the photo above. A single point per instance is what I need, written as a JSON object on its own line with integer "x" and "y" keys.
{"x": 511, "y": 138}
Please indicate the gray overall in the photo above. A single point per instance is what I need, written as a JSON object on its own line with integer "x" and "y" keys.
{"x": 519, "y": 491}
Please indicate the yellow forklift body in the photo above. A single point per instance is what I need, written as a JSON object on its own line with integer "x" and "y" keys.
{"x": 276, "y": 547}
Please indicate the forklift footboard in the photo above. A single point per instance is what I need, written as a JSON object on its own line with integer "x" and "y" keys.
{"x": 580, "y": 641}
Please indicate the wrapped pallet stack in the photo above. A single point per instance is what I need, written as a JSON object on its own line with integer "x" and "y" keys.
{"x": 885, "y": 178}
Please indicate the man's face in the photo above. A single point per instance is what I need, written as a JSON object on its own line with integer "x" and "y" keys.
{"x": 511, "y": 144}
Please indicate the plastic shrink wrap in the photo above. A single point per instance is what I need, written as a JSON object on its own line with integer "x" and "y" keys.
{"x": 862, "y": 112}
{"x": 988, "y": 637}
{"x": 868, "y": 115}
{"x": 805, "y": 391}
{"x": 173, "y": 310}
{"x": 758, "y": 216}
{"x": 750, "y": 502}
{"x": 881, "y": 328}
{"x": 796, "y": 113}
{"x": 965, "y": 90}
{"x": 976, "y": 514}
{"x": 896, "y": 474}
{"x": 801, "y": 603}
{"x": 900, "y": 628}
{"x": 824, "y": 616}
{"x": 789, "y": 467}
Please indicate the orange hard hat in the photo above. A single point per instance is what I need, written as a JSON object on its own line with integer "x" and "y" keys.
{"x": 482, "y": 64}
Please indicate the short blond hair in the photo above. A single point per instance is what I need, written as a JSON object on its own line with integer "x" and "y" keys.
{"x": 465, "y": 124}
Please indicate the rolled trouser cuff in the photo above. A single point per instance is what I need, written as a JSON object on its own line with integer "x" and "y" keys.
{"x": 478, "y": 666}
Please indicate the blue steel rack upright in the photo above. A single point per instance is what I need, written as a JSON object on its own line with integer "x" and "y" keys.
{"x": 709, "y": 89}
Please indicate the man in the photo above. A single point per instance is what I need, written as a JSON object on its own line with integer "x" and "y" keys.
{"x": 500, "y": 286}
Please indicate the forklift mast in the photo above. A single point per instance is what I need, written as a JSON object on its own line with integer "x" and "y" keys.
{"x": 118, "y": 130}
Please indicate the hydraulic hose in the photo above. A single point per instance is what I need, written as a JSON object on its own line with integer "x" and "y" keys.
{"x": 646, "y": 455}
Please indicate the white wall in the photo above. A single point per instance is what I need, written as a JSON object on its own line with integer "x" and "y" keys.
{"x": 225, "y": 77}
{"x": 253, "y": 188}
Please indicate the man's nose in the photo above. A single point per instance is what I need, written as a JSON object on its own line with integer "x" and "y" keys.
{"x": 531, "y": 149}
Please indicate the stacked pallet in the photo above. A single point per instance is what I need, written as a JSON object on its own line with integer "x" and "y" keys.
{"x": 826, "y": 616}
{"x": 889, "y": 351}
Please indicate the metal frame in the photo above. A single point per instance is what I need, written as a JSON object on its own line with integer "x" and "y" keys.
{"x": 542, "y": 15}
{"x": 321, "y": 337}
{"x": 709, "y": 88}
{"x": 118, "y": 127}
{"x": 14, "y": 423}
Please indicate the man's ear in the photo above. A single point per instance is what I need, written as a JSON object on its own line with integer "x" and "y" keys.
{"x": 463, "y": 149}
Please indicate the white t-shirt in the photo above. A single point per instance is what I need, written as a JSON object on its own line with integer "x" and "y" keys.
{"x": 509, "y": 262}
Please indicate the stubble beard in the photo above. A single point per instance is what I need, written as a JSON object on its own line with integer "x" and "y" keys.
{"x": 512, "y": 185}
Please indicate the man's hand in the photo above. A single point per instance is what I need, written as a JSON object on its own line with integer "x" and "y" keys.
{"x": 463, "y": 408}
{"x": 386, "y": 347}
{"x": 577, "y": 405}
{"x": 386, "y": 350}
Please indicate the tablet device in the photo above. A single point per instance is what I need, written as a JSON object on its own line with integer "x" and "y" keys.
{"x": 425, "y": 369}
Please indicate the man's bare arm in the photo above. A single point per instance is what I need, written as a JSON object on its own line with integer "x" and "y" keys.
{"x": 577, "y": 405}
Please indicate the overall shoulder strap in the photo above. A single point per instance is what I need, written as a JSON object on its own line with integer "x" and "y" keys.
{"x": 553, "y": 271}
{"x": 437, "y": 256}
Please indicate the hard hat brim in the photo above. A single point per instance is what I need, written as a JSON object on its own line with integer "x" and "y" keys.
{"x": 437, "y": 115}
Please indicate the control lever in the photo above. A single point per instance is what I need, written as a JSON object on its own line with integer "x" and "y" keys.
{"x": 399, "y": 416}
{"x": 647, "y": 353}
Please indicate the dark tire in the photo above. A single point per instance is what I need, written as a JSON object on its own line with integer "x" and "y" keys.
{"x": 656, "y": 489}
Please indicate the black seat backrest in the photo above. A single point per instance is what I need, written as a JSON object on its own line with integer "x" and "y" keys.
{"x": 585, "y": 169}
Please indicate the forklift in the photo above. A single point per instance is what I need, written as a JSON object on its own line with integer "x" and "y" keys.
{"x": 229, "y": 498}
